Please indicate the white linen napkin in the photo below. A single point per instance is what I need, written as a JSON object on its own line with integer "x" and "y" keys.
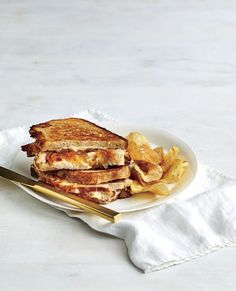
{"x": 189, "y": 226}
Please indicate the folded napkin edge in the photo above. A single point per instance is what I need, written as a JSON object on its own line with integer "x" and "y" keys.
{"x": 206, "y": 251}
{"x": 217, "y": 172}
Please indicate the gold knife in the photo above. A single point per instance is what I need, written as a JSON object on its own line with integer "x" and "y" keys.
{"x": 48, "y": 190}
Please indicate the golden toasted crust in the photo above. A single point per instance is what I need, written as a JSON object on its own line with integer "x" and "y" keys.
{"x": 102, "y": 193}
{"x": 75, "y": 134}
{"x": 93, "y": 177}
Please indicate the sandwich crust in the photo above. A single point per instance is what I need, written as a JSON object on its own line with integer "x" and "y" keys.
{"x": 75, "y": 134}
{"x": 101, "y": 193}
{"x": 31, "y": 149}
{"x": 91, "y": 177}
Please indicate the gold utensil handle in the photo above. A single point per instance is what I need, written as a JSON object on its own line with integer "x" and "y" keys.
{"x": 88, "y": 206}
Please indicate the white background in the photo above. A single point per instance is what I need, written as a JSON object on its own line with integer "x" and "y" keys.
{"x": 171, "y": 64}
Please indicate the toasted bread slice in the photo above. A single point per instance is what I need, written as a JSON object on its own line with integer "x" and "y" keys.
{"x": 80, "y": 160}
{"x": 91, "y": 177}
{"x": 102, "y": 193}
{"x": 75, "y": 134}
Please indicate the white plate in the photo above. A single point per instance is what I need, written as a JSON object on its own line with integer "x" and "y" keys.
{"x": 158, "y": 137}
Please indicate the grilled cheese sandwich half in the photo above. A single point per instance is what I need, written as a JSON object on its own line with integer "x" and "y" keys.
{"x": 98, "y": 193}
{"x": 82, "y": 158}
{"x": 75, "y": 134}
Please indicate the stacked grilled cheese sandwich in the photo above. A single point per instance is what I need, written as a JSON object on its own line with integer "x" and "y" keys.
{"x": 80, "y": 157}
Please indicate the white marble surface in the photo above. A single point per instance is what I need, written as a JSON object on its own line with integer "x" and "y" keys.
{"x": 168, "y": 63}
